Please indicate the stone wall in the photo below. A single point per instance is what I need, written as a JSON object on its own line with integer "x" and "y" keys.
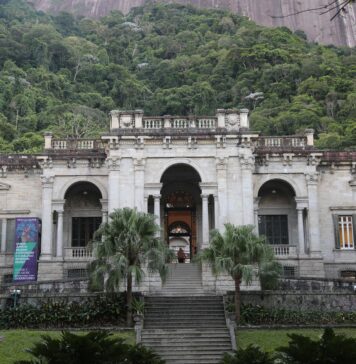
{"x": 307, "y": 295}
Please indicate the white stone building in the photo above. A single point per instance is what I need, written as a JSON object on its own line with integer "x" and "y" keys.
{"x": 194, "y": 174}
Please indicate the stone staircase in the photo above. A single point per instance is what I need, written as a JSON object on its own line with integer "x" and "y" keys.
{"x": 183, "y": 325}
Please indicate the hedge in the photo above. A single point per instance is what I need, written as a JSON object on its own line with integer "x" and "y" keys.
{"x": 101, "y": 310}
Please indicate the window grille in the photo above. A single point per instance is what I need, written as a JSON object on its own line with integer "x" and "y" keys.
{"x": 77, "y": 273}
{"x": 346, "y": 233}
{"x": 7, "y": 278}
{"x": 274, "y": 227}
{"x": 289, "y": 272}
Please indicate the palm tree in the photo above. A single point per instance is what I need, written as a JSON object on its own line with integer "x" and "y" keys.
{"x": 239, "y": 252}
{"x": 123, "y": 247}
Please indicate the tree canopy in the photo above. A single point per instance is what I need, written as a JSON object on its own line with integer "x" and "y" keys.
{"x": 56, "y": 71}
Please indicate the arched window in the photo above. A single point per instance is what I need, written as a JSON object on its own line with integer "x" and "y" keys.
{"x": 179, "y": 228}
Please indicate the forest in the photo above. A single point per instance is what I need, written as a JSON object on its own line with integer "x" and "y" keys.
{"x": 64, "y": 73}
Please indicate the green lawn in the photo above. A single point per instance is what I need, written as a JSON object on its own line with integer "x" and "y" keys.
{"x": 15, "y": 342}
{"x": 272, "y": 339}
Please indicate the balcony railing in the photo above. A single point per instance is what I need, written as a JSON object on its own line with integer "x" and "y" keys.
{"x": 282, "y": 142}
{"x": 179, "y": 122}
{"x": 284, "y": 250}
{"x": 77, "y": 144}
{"x": 81, "y": 253}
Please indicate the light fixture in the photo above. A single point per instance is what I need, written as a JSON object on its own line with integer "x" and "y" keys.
{"x": 274, "y": 192}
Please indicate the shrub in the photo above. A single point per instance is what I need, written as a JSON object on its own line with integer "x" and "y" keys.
{"x": 330, "y": 348}
{"x": 251, "y": 355}
{"x": 91, "y": 348}
{"x": 99, "y": 310}
{"x": 259, "y": 315}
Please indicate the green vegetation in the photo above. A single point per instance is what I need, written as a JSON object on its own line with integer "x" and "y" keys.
{"x": 304, "y": 347}
{"x": 122, "y": 248}
{"x": 100, "y": 310}
{"x": 64, "y": 74}
{"x": 97, "y": 347}
{"x": 269, "y": 340}
{"x": 259, "y": 315}
{"x": 237, "y": 252}
{"x": 14, "y": 343}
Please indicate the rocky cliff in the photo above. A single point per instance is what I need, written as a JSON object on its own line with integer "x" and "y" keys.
{"x": 319, "y": 28}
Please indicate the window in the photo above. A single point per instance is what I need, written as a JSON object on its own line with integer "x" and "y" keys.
{"x": 274, "y": 227}
{"x": 77, "y": 273}
{"x": 348, "y": 274}
{"x": 345, "y": 232}
{"x": 83, "y": 229}
{"x": 289, "y": 271}
{"x": 10, "y": 235}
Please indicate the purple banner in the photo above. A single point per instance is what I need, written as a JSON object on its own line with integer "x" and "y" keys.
{"x": 26, "y": 250}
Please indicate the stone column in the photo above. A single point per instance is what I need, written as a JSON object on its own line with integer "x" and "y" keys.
{"x": 313, "y": 202}
{"x": 255, "y": 213}
{"x": 113, "y": 183}
{"x": 104, "y": 210}
{"x": 139, "y": 165}
{"x": 157, "y": 209}
{"x": 47, "y": 221}
{"x": 60, "y": 233}
{"x": 216, "y": 211}
{"x": 221, "y": 172}
{"x": 58, "y": 205}
{"x": 352, "y": 184}
{"x": 301, "y": 230}
{"x": 145, "y": 204}
{"x": 247, "y": 165}
{"x": 3, "y": 235}
{"x": 205, "y": 221}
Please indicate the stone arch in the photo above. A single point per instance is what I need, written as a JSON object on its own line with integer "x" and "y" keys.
{"x": 186, "y": 162}
{"x": 74, "y": 180}
{"x": 283, "y": 179}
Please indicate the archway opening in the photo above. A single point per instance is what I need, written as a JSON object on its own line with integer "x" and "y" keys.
{"x": 180, "y": 196}
{"x": 82, "y": 214}
{"x": 277, "y": 215}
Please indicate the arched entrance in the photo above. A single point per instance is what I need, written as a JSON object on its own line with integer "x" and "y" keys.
{"x": 277, "y": 214}
{"x": 82, "y": 214}
{"x": 182, "y": 208}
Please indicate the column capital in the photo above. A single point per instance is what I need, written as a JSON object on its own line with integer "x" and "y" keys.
{"x": 301, "y": 203}
{"x": 139, "y": 164}
{"x": 352, "y": 183}
{"x": 104, "y": 204}
{"x": 247, "y": 162}
{"x": 312, "y": 178}
{"x": 157, "y": 196}
{"x": 47, "y": 181}
{"x": 58, "y": 205}
{"x": 221, "y": 163}
{"x": 113, "y": 164}
{"x": 256, "y": 202}
{"x": 204, "y": 196}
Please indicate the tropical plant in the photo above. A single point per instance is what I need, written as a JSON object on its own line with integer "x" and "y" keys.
{"x": 92, "y": 348}
{"x": 239, "y": 252}
{"x": 123, "y": 248}
{"x": 250, "y": 355}
{"x": 330, "y": 348}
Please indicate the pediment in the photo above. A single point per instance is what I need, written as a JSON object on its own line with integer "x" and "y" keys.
{"x": 4, "y": 186}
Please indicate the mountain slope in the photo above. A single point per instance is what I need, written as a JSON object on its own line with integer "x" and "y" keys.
{"x": 318, "y": 28}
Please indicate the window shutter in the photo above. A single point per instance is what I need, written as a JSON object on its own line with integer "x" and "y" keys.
{"x": 354, "y": 229}
{"x": 336, "y": 231}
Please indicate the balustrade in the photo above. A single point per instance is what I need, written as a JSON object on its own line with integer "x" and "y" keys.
{"x": 284, "y": 250}
{"x": 77, "y": 144}
{"x": 81, "y": 253}
{"x": 283, "y": 142}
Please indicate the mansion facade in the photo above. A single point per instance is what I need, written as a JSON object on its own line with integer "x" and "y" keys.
{"x": 194, "y": 174}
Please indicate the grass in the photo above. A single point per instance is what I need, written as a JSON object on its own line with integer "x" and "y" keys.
{"x": 15, "y": 342}
{"x": 269, "y": 340}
